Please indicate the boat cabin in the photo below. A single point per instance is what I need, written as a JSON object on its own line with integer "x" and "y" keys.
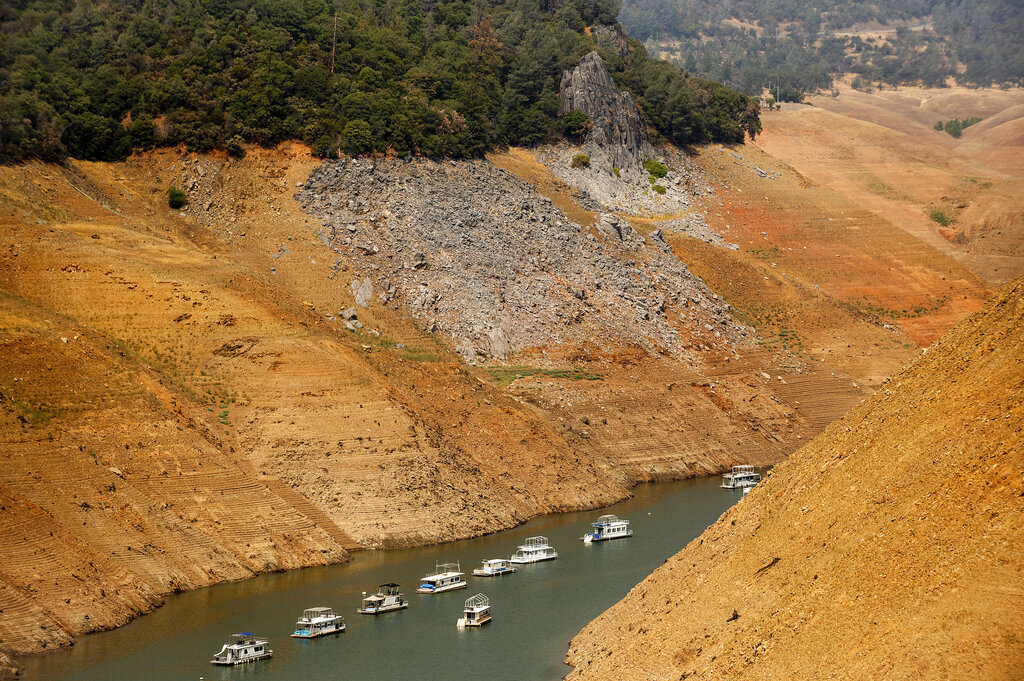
{"x": 318, "y": 622}
{"x": 608, "y": 527}
{"x": 387, "y": 598}
{"x": 245, "y": 647}
{"x": 476, "y": 613}
{"x": 534, "y": 550}
{"x": 445, "y": 578}
{"x": 493, "y": 568}
{"x": 741, "y": 476}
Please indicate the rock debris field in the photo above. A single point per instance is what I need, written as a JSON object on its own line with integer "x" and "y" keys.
{"x": 477, "y": 253}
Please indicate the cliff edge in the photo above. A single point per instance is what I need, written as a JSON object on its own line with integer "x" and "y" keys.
{"x": 889, "y": 547}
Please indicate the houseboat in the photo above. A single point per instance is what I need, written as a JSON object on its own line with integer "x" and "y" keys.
{"x": 446, "y": 577}
{"x": 243, "y": 648}
{"x": 493, "y": 568}
{"x": 477, "y": 612}
{"x": 534, "y": 550}
{"x": 608, "y": 527}
{"x": 318, "y": 622}
{"x": 740, "y": 476}
{"x": 387, "y": 598}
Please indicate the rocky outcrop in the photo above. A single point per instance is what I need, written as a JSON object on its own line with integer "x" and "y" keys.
{"x": 890, "y": 547}
{"x": 619, "y": 131}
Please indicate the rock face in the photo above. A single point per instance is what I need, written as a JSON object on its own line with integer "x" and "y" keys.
{"x": 476, "y": 253}
{"x": 890, "y": 547}
{"x": 619, "y": 131}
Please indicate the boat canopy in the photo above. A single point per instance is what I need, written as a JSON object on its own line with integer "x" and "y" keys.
{"x": 535, "y": 542}
{"x": 311, "y": 613}
{"x": 477, "y": 602}
{"x": 607, "y": 520}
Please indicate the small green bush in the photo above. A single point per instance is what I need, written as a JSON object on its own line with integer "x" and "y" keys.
{"x": 575, "y": 124}
{"x": 940, "y": 217}
{"x": 615, "y": 171}
{"x": 655, "y": 168}
{"x": 580, "y": 161}
{"x": 176, "y": 198}
{"x": 324, "y": 147}
{"x": 235, "y": 148}
{"x": 658, "y": 188}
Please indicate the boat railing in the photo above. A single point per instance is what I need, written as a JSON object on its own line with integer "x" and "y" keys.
{"x": 535, "y": 543}
{"x": 442, "y": 568}
{"x": 736, "y": 470}
{"x": 477, "y": 601}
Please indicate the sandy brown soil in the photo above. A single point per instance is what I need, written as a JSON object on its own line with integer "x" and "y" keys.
{"x": 880, "y": 151}
{"x": 176, "y": 408}
{"x": 889, "y": 547}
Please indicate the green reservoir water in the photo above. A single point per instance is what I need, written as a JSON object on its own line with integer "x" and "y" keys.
{"x": 536, "y": 610}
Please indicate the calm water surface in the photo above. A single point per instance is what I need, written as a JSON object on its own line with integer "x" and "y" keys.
{"x": 536, "y": 610}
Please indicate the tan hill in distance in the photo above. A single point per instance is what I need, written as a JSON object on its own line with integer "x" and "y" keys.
{"x": 963, "y": 196}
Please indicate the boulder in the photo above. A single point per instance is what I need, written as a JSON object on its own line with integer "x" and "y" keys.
{"x": 363, "y": 291}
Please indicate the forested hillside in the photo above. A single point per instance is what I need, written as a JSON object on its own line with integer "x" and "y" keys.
{"x": 435, "y": 77}
{"x": 800, "y": 46}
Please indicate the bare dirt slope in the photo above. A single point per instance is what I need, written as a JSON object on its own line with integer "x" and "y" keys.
{"x": 181, "y": 403}
{"x": 889, "y": 547}
{"x": 962, "y": 196}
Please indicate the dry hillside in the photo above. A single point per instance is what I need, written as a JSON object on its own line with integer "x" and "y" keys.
{"x": 182, "y": 404}
{"x": 963, "y": 196}
{"x": 890, "y": 546}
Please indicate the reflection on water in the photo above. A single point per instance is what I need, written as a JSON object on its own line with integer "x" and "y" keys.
{"x": 536, "y": 610}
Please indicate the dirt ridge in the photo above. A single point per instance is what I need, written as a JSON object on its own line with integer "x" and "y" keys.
{"x": 888, "y": 547}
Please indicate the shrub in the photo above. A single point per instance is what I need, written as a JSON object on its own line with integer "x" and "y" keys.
{"x": 358, "y": 137}
{"x": 575, "y": 124}
{"x": 615, "y": 171}
{"x": 658, "y": 188}
{"x": 324, "y": 147}
{"x": 940, "y": 217}
{"x": 655, "y": 168}
{"x": 176, "y": 198}
{"x": 235, "y": 148}
{"x": 580, "y": 161}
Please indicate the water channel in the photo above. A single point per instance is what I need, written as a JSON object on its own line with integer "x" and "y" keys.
{"x": 536, "y": 611}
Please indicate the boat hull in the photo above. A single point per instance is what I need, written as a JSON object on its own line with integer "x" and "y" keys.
{"x": 244, "y": 660}
{"x": 317, "y": 634}
{"x": 386, "y": 608}
{"x": 590, "y": 538}
{"x": 493, "y": 573}
{"x": 476, "y": 623}
{"x": 441, "y": 589}
{"x": 739, "y": 485}
{"x": 526, "y": 561}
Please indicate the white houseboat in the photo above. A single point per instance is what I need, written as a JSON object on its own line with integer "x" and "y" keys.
{"x": 243, "y": 648}
{"x": 608, "y": 527}
{"x": 387, "y": 598}
{"x": 534, "y": 550}
{"x": 318, "y": 622}
{"x": 477, "y": 612}
{"x": 494, "y": 567}
{"x": 740, "y": 476}
{"x": 446, "y": 577}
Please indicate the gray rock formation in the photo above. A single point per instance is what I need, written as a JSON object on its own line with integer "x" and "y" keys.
{"x": 475, "y": 253}
{"x": 619, "y": 131}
